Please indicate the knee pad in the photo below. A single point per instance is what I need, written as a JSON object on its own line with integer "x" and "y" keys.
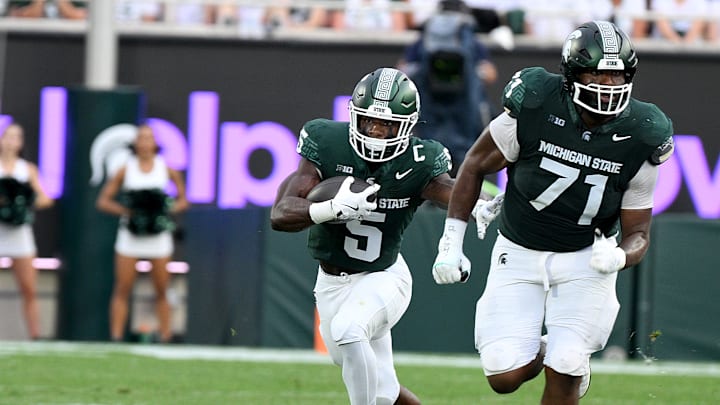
{"x": 569, "y": 361}
{"x": 498, "y": 357}
{"x": 345, "y": 330}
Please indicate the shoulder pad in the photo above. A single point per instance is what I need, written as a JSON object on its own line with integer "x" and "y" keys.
{"x": 439, "y": 155}
{"x": 308, "y": 143}
{"x": 527, "y": 88}
{"x": 657, "y": 130}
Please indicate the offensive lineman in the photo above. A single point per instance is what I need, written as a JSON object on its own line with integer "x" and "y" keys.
{"x": 363, "y": 284}
{"x": 581, "y": 156}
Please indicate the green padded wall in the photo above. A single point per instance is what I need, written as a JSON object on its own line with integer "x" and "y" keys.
{"x": 86, "y": 235}
{"x": 679, "y": 298}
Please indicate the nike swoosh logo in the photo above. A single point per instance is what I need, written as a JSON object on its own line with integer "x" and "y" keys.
{"x": 399, "y": 175}
{"x": 618, "y": 138}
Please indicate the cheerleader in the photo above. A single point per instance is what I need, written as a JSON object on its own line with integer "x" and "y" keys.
{"x": 20, "y": 195}
{"x": 136, "y": 194}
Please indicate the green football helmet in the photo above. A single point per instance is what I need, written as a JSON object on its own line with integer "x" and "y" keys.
{"x": 386, "y": 94}
{"x": 599, "y": 45}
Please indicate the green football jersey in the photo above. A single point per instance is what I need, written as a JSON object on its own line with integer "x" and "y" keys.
{"x": 569, "y": 180}
{"x": 373, "y": 243}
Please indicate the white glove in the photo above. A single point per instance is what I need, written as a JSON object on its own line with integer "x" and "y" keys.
{"x": 451, "y": 265}
{"x": 606, "y": 256}
{"x": 346, "y": 205}
{"x": 485, "y": 212}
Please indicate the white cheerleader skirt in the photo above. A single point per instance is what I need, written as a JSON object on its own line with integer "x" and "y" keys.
{"x": 145, "y": 246}
{"x": 17, "y": 241}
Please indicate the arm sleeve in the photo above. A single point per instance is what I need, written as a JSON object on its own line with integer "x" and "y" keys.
{"x": 639, "y": 194}
{"x": 503, "y": 130}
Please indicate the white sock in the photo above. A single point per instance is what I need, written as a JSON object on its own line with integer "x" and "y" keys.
{"x": 359, "y": 372}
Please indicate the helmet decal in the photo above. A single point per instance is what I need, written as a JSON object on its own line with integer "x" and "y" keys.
{"x": 609, "y": 38}
{"x": 384, "y": 87}
{"x": 568, "y": 43}
{"x": 610, "y": 47}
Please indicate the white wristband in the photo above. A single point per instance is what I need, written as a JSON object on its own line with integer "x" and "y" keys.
{"x": 455, "y": 230}
{"x": 322, "y": 212}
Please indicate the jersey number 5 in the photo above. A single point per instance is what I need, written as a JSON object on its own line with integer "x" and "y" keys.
{"x": 372, "y": 234}
{"x": 566, "y": 177}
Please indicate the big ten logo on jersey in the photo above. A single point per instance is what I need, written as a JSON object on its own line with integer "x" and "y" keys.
{"x": 228, "y": 180}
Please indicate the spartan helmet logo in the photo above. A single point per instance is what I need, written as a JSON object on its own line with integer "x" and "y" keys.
{"x": 110, "y": 151}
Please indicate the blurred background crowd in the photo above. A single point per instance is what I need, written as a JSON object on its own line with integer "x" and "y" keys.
{"x": 676, "y": 21}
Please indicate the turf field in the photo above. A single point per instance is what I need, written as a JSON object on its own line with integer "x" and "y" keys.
{"x": 76, "y": 373}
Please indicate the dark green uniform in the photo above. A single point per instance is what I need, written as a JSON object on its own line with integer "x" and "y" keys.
{"x": 569, "y": 180}
{"x": 372, "y": 244}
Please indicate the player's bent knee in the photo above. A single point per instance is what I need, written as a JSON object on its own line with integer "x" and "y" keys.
{"x": 384, "y": 401}
{"x": 567, "y": 361}
{"x": 504, "y": 383}
{"x": 498, "y": 357}
{"x": 347, "y": 331}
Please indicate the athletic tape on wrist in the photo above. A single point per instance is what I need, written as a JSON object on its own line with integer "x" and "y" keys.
{"x": 322, "y": 212}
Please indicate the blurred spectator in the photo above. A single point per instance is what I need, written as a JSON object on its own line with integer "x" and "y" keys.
{"x": 451, "y": 68}
{"x": 421, "y": 11}
{"x": 491, "y": 14}
{"x": 283, "y": 15}
{"x": 189, "y": 13}
{"x": 145, "y": 229}
{"x": 20, "y": 193}
{"x": 553, "y": 19}
{"x": 138, "y": 11}
{"x": 683, "y": 20}
{"x": 25, "y": 8}
{"x": 626, "y": 14}
{"x": 71, "y": 10}
{"x": 713, "y": 25}
{"x": 368, "y": 15}
{"x": 488, "y": 14}
{"x": 250, "y": 20}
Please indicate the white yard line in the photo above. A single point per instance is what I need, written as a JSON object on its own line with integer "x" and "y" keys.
{"x": 234, "y": 353}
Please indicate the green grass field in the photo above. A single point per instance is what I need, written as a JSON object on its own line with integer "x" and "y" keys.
{"x": 73, "y": 373}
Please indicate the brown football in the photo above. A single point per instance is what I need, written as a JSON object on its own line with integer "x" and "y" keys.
{"x": 328, "y": 188}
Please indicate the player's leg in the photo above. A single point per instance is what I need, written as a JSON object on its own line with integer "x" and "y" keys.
{"x": 26, "y": 277}
{"x": 581, "y": 312}
{"x": 161, "y": 280}
{"x": 122, "y": 287}
{"x": 389, "y": 389}
{"x": 509, "y": 316}
{"x": 376, "y": 303}
{"x": 355, "y": 357}
{"x": 407, "y": 397}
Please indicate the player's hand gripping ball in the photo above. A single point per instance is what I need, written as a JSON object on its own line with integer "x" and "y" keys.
{"x": 351, "y": 198}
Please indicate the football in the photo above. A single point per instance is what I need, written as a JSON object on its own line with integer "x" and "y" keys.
{"x": 328, "y": 188}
